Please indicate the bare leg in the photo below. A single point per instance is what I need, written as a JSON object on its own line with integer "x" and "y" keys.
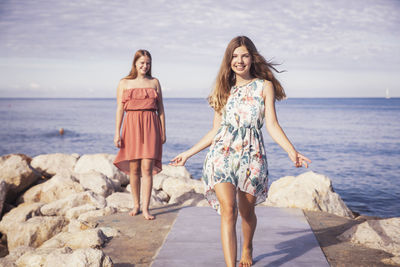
{"x": 134, "y": 179}
{"x": 226, "y": 195}
{"x": 147, "y": 183}
{"x": 249, "y": 223}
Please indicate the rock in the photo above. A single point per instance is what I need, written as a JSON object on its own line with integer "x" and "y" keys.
{"x": 3, "y": 194}
{"x": 97, "y": 213}
{"x": 158, "y": 180}
{"x": 10, "y": 259}
{"x": 65, "y": 257}
{"x": 75, "y": 212}
{"x": 158, "y": 197}
{"x": 17, "y": 174}
{"x": 175, "y": 171}
{"x": 58, "y": 187}
{"x": 34, "y": 231}
{"x": 80, "y": 225}
{"x": 110, "y": 232}
{"x": 92, "y": 238}
{"x": 379, "y": 234}
{"x": 60, "y": 207}
{"x": 123, "y": 202}
{"x": 309, "y": 191}
{"x": 96, "y": 182}
{"x": 102, "y": 163}
{"x": 52, "y": 164}
{"x": 20, "y": 214}
{"x": 178, "y": 187}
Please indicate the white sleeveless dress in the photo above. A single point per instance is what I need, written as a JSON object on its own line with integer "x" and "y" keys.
{"x": 237, "y": 153}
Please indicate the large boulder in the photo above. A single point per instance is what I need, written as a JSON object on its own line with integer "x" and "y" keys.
{"x": 15, "y": 171}
{"x": 51, "y": 164}
{"x": 309, "y": 191}
{"x": 175, "y": 171}
{"x": 92, "y": 238}
{"x": 61, "y": 206}
{"x": 20, "y": 214}
{"x": 96, "y": 182}
{"x": 378, "y": 234}
{"x": 176, "y": 188}
{"x": 34, "y": 231}
{"x": 97, "y": 213}
{"x": 102, "y": 163}
{"x": 123, "y": 202}
{"x": 75, "y": 212}
{"x": 65, "y": 257}
{"x": 58, "y": 187}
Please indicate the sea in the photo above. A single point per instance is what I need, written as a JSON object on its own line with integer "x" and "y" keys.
{"x": 353, "y": 141}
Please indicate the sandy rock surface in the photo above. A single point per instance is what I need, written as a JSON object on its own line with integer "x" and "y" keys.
{"x": 102, "y": 163}
{"x": 51, "y": 164}
{"x": 309, "y": 191}
{"x": 58, "y": 187}
{"x": 378, "y": 234}
{"x": 17, "y": 174}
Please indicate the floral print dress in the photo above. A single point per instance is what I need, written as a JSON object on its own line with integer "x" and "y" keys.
{"x": 237, "y": 153}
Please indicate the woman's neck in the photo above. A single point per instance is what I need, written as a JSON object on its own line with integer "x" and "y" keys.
{"x": 243, "y": 79}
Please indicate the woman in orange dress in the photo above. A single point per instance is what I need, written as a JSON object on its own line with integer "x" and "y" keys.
{"x": 139, "y": 97}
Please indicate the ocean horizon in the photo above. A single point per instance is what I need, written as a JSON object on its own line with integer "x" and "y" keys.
{"x": 353, "y": 141}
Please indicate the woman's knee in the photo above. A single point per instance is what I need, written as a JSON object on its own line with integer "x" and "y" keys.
{"x": 228, "y": 210}
{"x": 246, "y": 212}
{"x": 147, "y": 167}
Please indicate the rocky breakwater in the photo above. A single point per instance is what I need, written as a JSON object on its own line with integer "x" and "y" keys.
{"x": 48, "y": 201}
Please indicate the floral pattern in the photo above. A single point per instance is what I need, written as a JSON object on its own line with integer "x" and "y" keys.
{"x": 237, "y": 153}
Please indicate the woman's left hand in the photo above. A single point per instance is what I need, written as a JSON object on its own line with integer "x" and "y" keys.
{"x": 299, "y": 159}
{"x": 163, "y": 139}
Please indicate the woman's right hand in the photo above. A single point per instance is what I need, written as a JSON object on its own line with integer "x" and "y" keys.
{"x": 117, "y": 141}
{"x": 180, "y": 160}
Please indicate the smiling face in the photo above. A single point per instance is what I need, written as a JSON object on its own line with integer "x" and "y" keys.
{"x": 241, "y": 62}
{"x": 143, "y": 65}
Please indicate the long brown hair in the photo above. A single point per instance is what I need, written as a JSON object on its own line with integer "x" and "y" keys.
{"x": 260, "y": 68}
{"x": 140, "y": 53}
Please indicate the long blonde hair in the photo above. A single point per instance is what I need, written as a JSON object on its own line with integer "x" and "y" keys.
{"x": 260, "y": 68}
{"x": 133, "y": 73}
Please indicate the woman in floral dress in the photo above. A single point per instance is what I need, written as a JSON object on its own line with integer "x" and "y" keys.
{"x": 236, "y": 165}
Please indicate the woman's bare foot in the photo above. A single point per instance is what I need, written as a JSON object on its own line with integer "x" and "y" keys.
{"x": 247, "y": 258}
{"x": 134, "y": 212}
{"x": 148, "y": 216}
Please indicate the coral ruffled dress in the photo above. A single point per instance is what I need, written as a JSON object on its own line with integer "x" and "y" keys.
{"x": 141, "y": 130}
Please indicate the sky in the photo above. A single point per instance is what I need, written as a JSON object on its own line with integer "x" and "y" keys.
{"x": 343, "y": 48}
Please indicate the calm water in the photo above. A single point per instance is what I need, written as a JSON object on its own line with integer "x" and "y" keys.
{"x": 355, "y": 142}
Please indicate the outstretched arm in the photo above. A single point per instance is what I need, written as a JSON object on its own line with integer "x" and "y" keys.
{"x": 119, "y": 115}
{"x": 203, "y": 143}
{"x": 275, "y": 130}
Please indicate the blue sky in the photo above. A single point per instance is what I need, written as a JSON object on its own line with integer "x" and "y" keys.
{"x": 82, "y": 48}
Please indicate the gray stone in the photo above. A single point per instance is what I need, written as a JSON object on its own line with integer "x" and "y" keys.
{"x": 52, "y": 164}
{"x": 102, "y": 163}
{"x": 17, "y": 174}
{"x": 96, "y": 182}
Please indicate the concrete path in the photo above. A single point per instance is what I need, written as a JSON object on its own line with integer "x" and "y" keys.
{"x": 283, "y": 238}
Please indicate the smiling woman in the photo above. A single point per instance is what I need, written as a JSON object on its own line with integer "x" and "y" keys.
{"x": 235, "y": 171}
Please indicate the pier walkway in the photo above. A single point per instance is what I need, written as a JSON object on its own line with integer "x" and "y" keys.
{"x": 283, "y": 237}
